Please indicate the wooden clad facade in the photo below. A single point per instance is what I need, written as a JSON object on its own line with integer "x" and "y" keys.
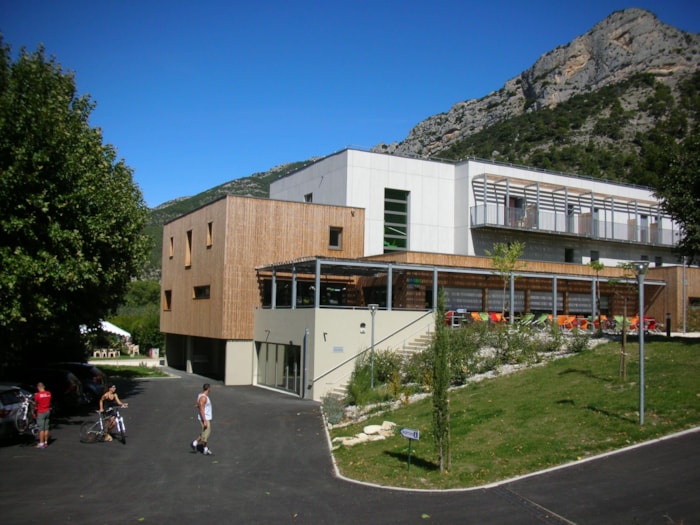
{"x": 209, "y": 285}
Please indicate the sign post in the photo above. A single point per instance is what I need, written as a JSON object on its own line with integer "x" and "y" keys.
{"x": 412, "y": 435}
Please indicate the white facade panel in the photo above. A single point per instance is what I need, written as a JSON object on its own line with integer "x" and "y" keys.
{"x": 324, "y": 180}
{"x": 591, "y": 216}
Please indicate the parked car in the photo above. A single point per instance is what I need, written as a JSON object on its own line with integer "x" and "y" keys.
{"x": 66, "y": 389}
{"x": 93, "y": 380}
{"x": 9, "y": 403}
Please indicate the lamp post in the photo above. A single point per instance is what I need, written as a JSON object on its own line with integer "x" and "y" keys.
{"x": 372, "y": 310}
{"x": 641, "y": 269}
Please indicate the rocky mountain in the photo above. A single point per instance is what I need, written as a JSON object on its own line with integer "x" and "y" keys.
{"x": 627, "y": 43}
{"x": 602, "y": 105}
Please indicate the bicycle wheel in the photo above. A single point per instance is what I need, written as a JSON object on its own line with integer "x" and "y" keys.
{"x": 91, "y": 432}
{"x": 21, "y": 421}
{"x": 121, "y": 431}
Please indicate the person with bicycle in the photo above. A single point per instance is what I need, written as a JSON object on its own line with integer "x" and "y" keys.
{"x": 109, "y": 400}
{"x": 42, "y": 403}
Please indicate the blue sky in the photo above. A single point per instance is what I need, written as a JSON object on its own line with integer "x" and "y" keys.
{"x": 195, "y": 94}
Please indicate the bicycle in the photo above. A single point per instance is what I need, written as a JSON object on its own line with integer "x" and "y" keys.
{"x": 97, "y": 431}
{"x": 25, "y": 418}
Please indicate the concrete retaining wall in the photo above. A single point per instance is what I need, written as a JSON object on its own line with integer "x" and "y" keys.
{"x": 139, "y": 361}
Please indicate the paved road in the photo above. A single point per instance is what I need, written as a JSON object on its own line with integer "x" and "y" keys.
{"x": 271, "y": 466}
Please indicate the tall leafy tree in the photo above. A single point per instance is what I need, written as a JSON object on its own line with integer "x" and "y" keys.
{"x": 71, "y": 219}
{"x": 680, "y": 193}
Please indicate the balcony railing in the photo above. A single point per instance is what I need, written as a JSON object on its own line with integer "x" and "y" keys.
{"x": 577, "y": 224}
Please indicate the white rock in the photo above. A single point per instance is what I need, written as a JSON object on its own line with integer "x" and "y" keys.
{"x": 372, "y": 429}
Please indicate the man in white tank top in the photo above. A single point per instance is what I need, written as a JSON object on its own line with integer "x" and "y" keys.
{"x": 204, "y": 414}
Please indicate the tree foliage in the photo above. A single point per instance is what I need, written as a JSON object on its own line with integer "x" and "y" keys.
{"x": 72, "y": 217}
{"x": 139, "y": 314}
{"x": 680, "y": 194}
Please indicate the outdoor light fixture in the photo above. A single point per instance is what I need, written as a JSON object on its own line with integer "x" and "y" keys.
{"x": 372, "y": 310}
{"x": 641, "y": 268}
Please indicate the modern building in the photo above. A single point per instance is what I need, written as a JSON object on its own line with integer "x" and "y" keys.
{"x": 276, "y": 292}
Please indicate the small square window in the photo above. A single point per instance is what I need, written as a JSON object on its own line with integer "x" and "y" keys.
{"x": 595, "y": 255}
{"x": 201, "y": 292}
{"x": 335, "y": 241}
{"x": 309, "y": 197}
{"x": 568, "y": 255}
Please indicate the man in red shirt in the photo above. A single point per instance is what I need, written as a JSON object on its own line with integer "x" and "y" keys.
{"x": 42, "y": 401}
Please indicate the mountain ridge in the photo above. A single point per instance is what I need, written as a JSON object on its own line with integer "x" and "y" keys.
{"x": 626, "y": 42}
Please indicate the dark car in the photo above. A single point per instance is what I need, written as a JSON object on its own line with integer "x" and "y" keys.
{"x": 9, "y": 403}
{"x": 93, "y": 380}
{"x": 66, "y": 389}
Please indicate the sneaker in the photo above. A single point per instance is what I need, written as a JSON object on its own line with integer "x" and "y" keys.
{"x": 193, "y": 445}
{"x": 41, "y": 445}
{"x": 207, "y": 452}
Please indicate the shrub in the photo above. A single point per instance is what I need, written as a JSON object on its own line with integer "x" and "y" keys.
{"x": 418, "y": 368}
{"x": 360, "y": 392}
{"x": 333, "y": 408}
{"x": 578, "y": 342}
{"x": 386, "y": 364}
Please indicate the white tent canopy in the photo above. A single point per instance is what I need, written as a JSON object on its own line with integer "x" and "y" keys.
{"x": 106, "y": 326}
{"x": 114, "y": 329}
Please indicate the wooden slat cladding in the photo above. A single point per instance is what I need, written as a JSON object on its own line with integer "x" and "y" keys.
{"x": 245, "y": 232}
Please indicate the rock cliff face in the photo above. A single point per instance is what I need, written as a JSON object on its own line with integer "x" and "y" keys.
{"x": 626, "y": 43}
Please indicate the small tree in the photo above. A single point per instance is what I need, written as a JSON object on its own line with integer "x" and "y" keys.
{"x": 505, "y": 260}
{"x": 597, "y": 268}
{"x": 441, "y": 384}
{"x": 628, "y": 287}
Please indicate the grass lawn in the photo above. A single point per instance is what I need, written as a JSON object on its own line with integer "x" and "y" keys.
{"x": 131, "y": 372}
{"x": 536, "y": 418}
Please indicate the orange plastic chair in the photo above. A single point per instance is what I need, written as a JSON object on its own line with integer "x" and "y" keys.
{"x": 496, "y": 317}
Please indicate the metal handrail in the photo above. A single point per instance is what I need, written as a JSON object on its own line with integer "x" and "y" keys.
{"x": 340, "y": 365}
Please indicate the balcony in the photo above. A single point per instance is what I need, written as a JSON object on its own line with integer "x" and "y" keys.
{"x": 585, "y": 225}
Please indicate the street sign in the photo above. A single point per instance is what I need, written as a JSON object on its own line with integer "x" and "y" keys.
{"x": 410, "y": 433}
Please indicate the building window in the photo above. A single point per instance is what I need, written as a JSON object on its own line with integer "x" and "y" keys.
{"x": 568, "y": 255}
{"x": 658, "y": 261}
{"x": 395, "y": 220}
{"x": 209, "y": 234}
{"x": 201, "y": 292}
{"x": 335, "y": 241}
{"x": 595, "y": 255}
{"x": 172, "y": 248}
{"x": 188, "y": 249}
{"x": 167, "y": 300}
{"x": 309, "y": 197}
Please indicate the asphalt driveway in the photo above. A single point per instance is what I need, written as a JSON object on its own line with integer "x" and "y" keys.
{"x": 271, "y": 465}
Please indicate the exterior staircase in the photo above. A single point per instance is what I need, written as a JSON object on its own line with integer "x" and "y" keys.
{"x": 410, "y": 347}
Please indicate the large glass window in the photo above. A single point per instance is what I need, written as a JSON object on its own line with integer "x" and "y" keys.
{"x": 395, "y": 220}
